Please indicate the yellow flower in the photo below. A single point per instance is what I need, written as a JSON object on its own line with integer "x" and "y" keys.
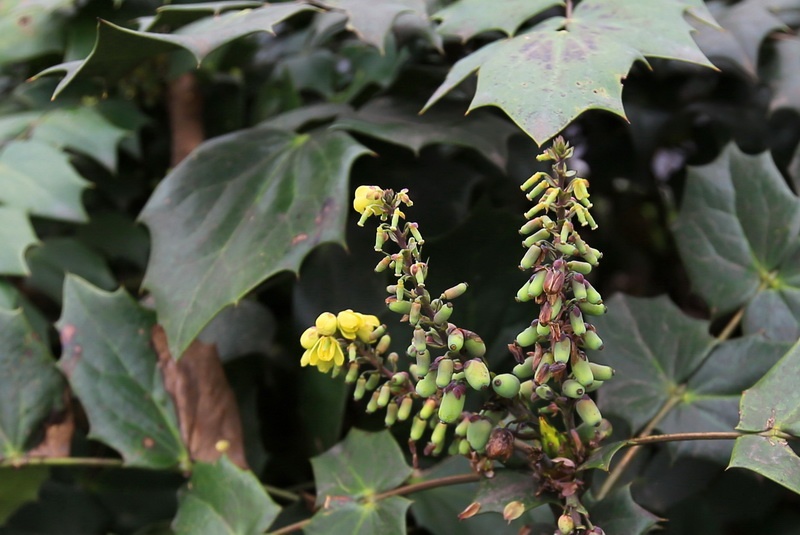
{"x": 580, "y": 188}
{"x": 369, "y": 324}
{"x": 326, "y": 324}
{"x": 309, "y": 338}
{"x": 325, "y": 353}
{"x": 368, "y": 199}
{"x": 349, "y": 323}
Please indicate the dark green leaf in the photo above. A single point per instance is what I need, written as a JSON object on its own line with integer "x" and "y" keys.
{"x": 711, "y": 400}
{"x": 508, "y": 486}
{"x": 50, "y": 262}
{"x": 245, "y": 328}
{"x": 771, "y": 457}
{"x": 240, "y": 209}
{"x": 397, "y": 122}
{"x": 16, "y": 235}
{"x": 601, "y": 457}
{"x": 618, "y": 513}
{"x": 546, "y": 77}
{"x": 367, "y": 66}
{"x": 19, "y": 486}
{"x": 360, "y": 466}
{"x": 654, "y": 348}
{"x": 12, "y": 298}
{"x": 387, "y": 517}
{"x": 117, "y": 236}
{"x": 775, "y": 314}
{"x": 39, "y": 179}
{"x": 737, "y": 230}
{"x": 173, "y": 15}
{"x": 222, "y": 498}
{"x": 373, "y": 21}
{"x": 31, "y": 29}
{"x": 762, "y": 409}
{"x": 467, "y": 18}
{"x": 118, "y": 50}
{"x": 30, "y": 385}
{"x": 112, "y": 368}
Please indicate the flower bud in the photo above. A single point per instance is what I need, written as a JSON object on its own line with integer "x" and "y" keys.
{"x": 444, "y": 373}
{"x": 477, "y": 374}
{"x": 591, "y": 309}
{"x": 426, "y": 387}
{"x": 309, "y": 338}
{"x": 418, "y": 426}
{"x": 592, "y": 341}
{"x": 400, "y": 290}
{"x": 352, "y": 373}
{"x": 456, "y": 291}
{"x": 582, "y": 372}
{"x": 391, "y": 414}
{"x": 360, "y": 389}
{"x": 530, "y": 257}
{"x": 572, "y": 389}
{"x": 427, "y": 409}
{"x": 443, "y": 314}
{"x": 524, "y": 370}
{"x": 423, "y": 362}
{"x": 506, "y": 385}
{"x": 326, "y": 324}
{"x": 400, "y": 307}
{"x": 451, "y": 406}
{"x": 537, "y": 284}
{"x": 372, "y": 405}
{"x": 383, "y": 344}
{"x": 383, "y": 264}
{"x": 588, "y": 411}
{"x": 415, "y": 314}
{"x": 478, "y": 434}
{"x": 601, "y": 372}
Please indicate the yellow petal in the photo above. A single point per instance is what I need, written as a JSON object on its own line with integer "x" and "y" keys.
{"x": 309, "y": 338}
{"x": 326, "y": 324}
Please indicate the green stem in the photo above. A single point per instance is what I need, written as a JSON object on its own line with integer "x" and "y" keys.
{"x": 399, "y": 491}
{"x": 282, "y": 493}
{"x": 61, "y": 461}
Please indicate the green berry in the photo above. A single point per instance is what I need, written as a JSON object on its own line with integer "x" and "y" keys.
{"x": 478, "y": 434}
{"x": 601, "y": 372}
{"x": 443, "y": 314}
{"x": 477, "y": 374}
{"x": 417, "y": 428}
{"x": 576, "y": 320}
{"x": 427, "y": 408}
{"x": 582, "y": 372}
{"x": 588, "y": 411}
{"x": 444, "y": 373}
{"x": 528, "y": 337}
{"x": 592, "y": 341}
{"x": 405, "y": 408}
{"x": 562, "y": 350}
{"x": 592, "y": 309}
{"x": 451, "y": 406}
{"x": 572, "y": 389}
{"x": 455, "y": 339}
{"x": 426, "y": 387}
{"x": 506, "y": 385}
{"x": 537, "y": 284}
{"x": 525, "y": 369}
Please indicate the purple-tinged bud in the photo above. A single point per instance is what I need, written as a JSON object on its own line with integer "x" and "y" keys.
{"x": 415, "y": 314}
{"x": 383, "y": 264}
{"x": 414, "y": 229}
{"x": 553, "y": 282}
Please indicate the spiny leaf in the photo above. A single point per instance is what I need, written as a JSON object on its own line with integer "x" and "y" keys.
{"x": 113, "y": 370}
{"x": 385, "y": 517}
{"x": 16, "y": 235}
{"x": 372, "y": 21}
{"x": 39, "y": 179}
{"x": 546, "y": 77}
{"x": 737, "y": 233}
{"x": 173, "y": 15}
{"x": 241, "y": 208}
{"x": 396, "y": 122}
{"x": 467, "y": 18}
{"x": 31, "y": 29}
{"x": 30, "y": 385}
{"x": 222, "y": 498}
{"x": 118, "y": 50}
{"x": 771, "y": 457}
{"x": 654, "y": 348}
{"x": 602, "y": 456}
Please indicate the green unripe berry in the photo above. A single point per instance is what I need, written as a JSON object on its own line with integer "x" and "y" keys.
{"x": 443, "y": 314}
{"x": 601, "y": 372}
{"x": 438, "y": 435}
{"x": 592, "y": 309}
{"x": 451, "y": 407}
{"x": 400, "y": 307}
{"x": 545, "y": 392}
{"x": 405, "y": 408}
{"x": 478, "y": 434}
{"x": 474, "y": 344}
{"x": 372, "y": 381}
{"x": 525, "y": 369}
{"x": 461, "y": 428}
{"x": 562, "y": 350}
{"x": 428, "y": 408}
{"x": 352, "y": 373}
{"x": 594, "y": 386}
{"x": 588, "y": 411}
{"x": 444, "y": 373}
{"x": 530, "y": 257}
{"x": 522, "y": 294}
{"x": 578, "y": 290}
{"x": 384, "y": 395}
{"x": 537, "y": 284}
{"x": 455, "y": 340}
{"x": 423, "y": 362}
{"x": 426, "y": 387}
{"x": 583, "y": 268}
{"x": 417, "y": 428}
{"x": 360, "y": 389}
{"x": 576, "y": 320}
{"x": 592, "y": 295}
{"x": 456, "y": 291}
{"x": 477, "y": 374}
{"x": 528, "y": 337}
{"x": 391, "y": 414}
{"x": 572, "y": 389}
{"x": 463, "y": 447}
{"x": 592, "y": 341}
{"x": 582, "y": 372}
{"x": 526, "y": 389}
{"x": 542, "y": 329}
{"x": 372, "y": 404}
{"x": 565, "y": 525}
{"x": 506, "y": 385}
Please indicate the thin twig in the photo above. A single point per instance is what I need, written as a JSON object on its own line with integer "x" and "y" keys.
{"x": 61, "y": 461}
{"x": 676, "y": 437}
{"x": 282, "y": 493}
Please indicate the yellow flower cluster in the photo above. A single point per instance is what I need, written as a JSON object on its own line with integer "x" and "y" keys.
{"x": 323, "y": 349}
{"x": 368, "y": 199}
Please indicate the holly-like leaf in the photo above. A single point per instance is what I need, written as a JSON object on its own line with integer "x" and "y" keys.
{"x": 711, "y": 399}
{"x": 546, "y": 77}
{"x": 174, "y": 15}
{"x": 771, "y": 457}
{"x": 372, "y": 21}
{"x": 654, "y": 348}
{"x": 397, "y": 122}
{"x": 16, "y": 235}
{"x": 602, "y": 456}
{"x": 781, "y": 73}
{"x": 30, "y": 385}
{"x": 737, "y": 233}
{"x": 222, "y": 498}
{"x": 618, "y": 513}
{"x": 240, "y": 209}
{"x": 467, "y": 18}
{"x": 30, "y": 29}
{"x": 39, "y": 179}
{"x": 118, "y": 50}
{"x": 508, "y": 486}
{"x": 349, "y": 475}
{"x": 112, "y": 368}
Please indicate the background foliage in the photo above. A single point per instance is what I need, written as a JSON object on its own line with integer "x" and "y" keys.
{"x": 127, "y": 239}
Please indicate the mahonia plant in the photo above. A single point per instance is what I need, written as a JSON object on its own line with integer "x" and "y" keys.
{"x": 541, "y": 408}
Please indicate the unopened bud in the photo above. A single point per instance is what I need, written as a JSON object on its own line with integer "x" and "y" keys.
{"x": 417, "y": 428}
{"x": 372, "y": 405}
{"x": 456, "y": 291}
{"x": 426, "y": 387}
{"x": 404, "y": 411}
{"x": 478, "y": 434}
{"x": 391, "y": 414}
{"x": 428, "y": 408}
{"x": 383, "y": 344}
{"x": 443, "y": 314}
{"x": 361, "y": 388}
{"x": 352, "y": 373}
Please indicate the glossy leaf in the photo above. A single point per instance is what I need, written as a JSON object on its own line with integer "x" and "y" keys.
{"x": 467, "y": 18}
{"x": 173, "y": 15}
{"x": 39, "y": 179}
{"x": 112, "y": 369}
{"x": 372, "y": 21}
{"x": 31, "y": 29}
{"x": 30, "y": 385}
{"x": 737, "y": 233}
{"x": 771, "y": 457}
{"x": 349, "y": 475}
{"x": 544, "y": 78}
{"x": 618, "y": 513}
{"x": 222, "y": 498}
{"x": 16, "y": 235}
{"x": 240, "y": 209}
{"x": 654, "y": 348}
{"x": 397, "y": 122}
{"x": 711, "y": 400}
{"x": 508, "y": 486}
{"x": 118, "y": 50}
{"x": 602, "y": 456}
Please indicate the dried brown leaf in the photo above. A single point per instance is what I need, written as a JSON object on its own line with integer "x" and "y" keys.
{"x": 57, "y": 434}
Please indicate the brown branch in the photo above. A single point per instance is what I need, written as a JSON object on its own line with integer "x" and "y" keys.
{"x": 185, "y": 106}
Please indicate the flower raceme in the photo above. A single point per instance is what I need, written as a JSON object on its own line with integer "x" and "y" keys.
{"x": 323, "y": 343}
